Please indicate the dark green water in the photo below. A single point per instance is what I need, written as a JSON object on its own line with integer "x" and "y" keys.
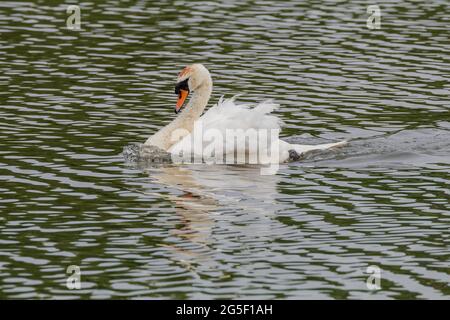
{"x": 71, "y": 100}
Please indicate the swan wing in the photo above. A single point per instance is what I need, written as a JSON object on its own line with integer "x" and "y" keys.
{"x": 228, "y": 118}
{"x": 227, "y": 114}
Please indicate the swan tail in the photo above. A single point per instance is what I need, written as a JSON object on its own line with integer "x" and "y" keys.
{"x": 302, "y": 149}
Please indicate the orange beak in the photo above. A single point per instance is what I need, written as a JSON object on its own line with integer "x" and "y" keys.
{"x": 181, "y": 98}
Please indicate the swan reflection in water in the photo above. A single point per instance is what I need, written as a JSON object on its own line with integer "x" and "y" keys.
{"x": 216, "y": 203}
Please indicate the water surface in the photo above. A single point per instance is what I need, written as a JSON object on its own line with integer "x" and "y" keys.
{"x": 71, "y": 100}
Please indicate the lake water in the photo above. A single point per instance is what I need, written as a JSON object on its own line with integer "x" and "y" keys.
{"x": 70, "y": 101}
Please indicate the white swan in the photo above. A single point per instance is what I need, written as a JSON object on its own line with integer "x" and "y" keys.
{"x": 179, "y": 136}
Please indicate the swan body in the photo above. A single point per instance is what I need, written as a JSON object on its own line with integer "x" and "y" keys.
{"x": 227, "y": 130}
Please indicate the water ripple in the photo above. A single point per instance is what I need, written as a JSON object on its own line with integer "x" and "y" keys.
{"x": 73, "y": 100}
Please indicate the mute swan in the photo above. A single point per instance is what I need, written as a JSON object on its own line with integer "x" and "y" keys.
{"x": 179, "y": 135}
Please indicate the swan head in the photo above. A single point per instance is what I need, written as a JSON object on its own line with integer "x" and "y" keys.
{"x": 190, "y": 79}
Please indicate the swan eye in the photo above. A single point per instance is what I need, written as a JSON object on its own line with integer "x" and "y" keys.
{"x": 183, "y": 85}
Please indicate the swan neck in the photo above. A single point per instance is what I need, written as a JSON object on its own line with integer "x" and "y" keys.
{"x": 198, "y": 102}
{"x": 191, "y": 113}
